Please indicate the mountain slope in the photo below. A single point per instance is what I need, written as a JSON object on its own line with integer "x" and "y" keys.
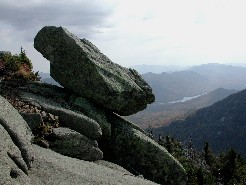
{"x": 223, "y": 125}
{"x": 157, "y": 115}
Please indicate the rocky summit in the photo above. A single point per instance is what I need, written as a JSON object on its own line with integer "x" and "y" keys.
{"x": 54, "y": 135}
{"x": 79, "y": 66}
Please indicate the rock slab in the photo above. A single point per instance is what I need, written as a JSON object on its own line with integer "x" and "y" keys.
{"x": 51, "y": 168}
{"x": 18, "y": 130}
{"x": 68, "y": 118}
{"x": 13, "y": 169}
{"x": 73, "y": 144}
{"x": 79, "y": 66}
{"x": 48, "y": 167}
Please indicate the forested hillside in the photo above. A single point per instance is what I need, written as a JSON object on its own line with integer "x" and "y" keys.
{"x": 223, "y": 125}
{"x": 205, "y": 167}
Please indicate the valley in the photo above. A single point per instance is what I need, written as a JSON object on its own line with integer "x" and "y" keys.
{"x": 222, "y": 124}
{"x": 157, "y": 115}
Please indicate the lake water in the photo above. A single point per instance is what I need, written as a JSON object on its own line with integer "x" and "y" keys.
{"x": 187, "y": 98}
{"x": 184, "y": 99}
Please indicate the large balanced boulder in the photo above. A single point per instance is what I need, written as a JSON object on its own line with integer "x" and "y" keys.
{"x": 123, "y": 142}
{"x": 79, "y": 66}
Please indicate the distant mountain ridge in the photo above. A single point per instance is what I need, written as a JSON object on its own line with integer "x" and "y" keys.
{"x": 228, "y": 76}
{"x": 145, "y": 68}
{"x": 46, "y": 78}
{"x": 194, "y": 81}
{"x": 222, "y": 124}
{"x": 174, "y": 86}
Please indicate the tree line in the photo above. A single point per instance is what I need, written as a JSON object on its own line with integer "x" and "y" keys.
{"x": 206, "y": 167}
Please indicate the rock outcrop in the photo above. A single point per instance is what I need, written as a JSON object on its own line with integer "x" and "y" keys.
{"x": 51, "y": 168}
{"x": 83, "y": 139}
{"x": 121, "y": 141}
{"x": 68, "y": 118}
{"x": 18, "y": 130}
{"x": 133, "y": 149}
{"x": 47, "y": 166}
{"x": 80, "y": 67}
{"x": 73, "y": 144}
{"x": 13, "y": 168}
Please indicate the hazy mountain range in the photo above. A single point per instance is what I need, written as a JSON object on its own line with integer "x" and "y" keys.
{"x": 145, "y": 68}
{"x": 194, "y": 81}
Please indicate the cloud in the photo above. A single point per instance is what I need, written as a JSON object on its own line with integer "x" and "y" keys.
{"x": 133, "y": 32}
{"x": 21, "y": 20}
{"x": 85, "y": 17}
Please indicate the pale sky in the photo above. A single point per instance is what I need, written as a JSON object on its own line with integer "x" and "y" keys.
{"x": 133, "y": 32}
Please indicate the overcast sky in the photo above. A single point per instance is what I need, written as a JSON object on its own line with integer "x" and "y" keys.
{"x": 132, "y": 32}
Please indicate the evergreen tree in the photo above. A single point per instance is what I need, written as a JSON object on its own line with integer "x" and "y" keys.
{"x": 209, "y": 156}
{"x": 207, "y": 168}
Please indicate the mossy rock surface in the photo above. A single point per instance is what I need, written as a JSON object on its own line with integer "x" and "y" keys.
{"x": 135, "y": 151}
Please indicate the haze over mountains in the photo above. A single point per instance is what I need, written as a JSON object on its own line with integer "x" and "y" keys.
{"x": 196, "y": 80}
{"x": 228, "y": 76}
{"x": 145, "y": 68}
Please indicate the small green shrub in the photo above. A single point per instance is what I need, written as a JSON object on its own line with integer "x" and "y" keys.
{"x": 12, "y": 63}
{"x": 19, "y": 66}
{"x": 24, "y": 59}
